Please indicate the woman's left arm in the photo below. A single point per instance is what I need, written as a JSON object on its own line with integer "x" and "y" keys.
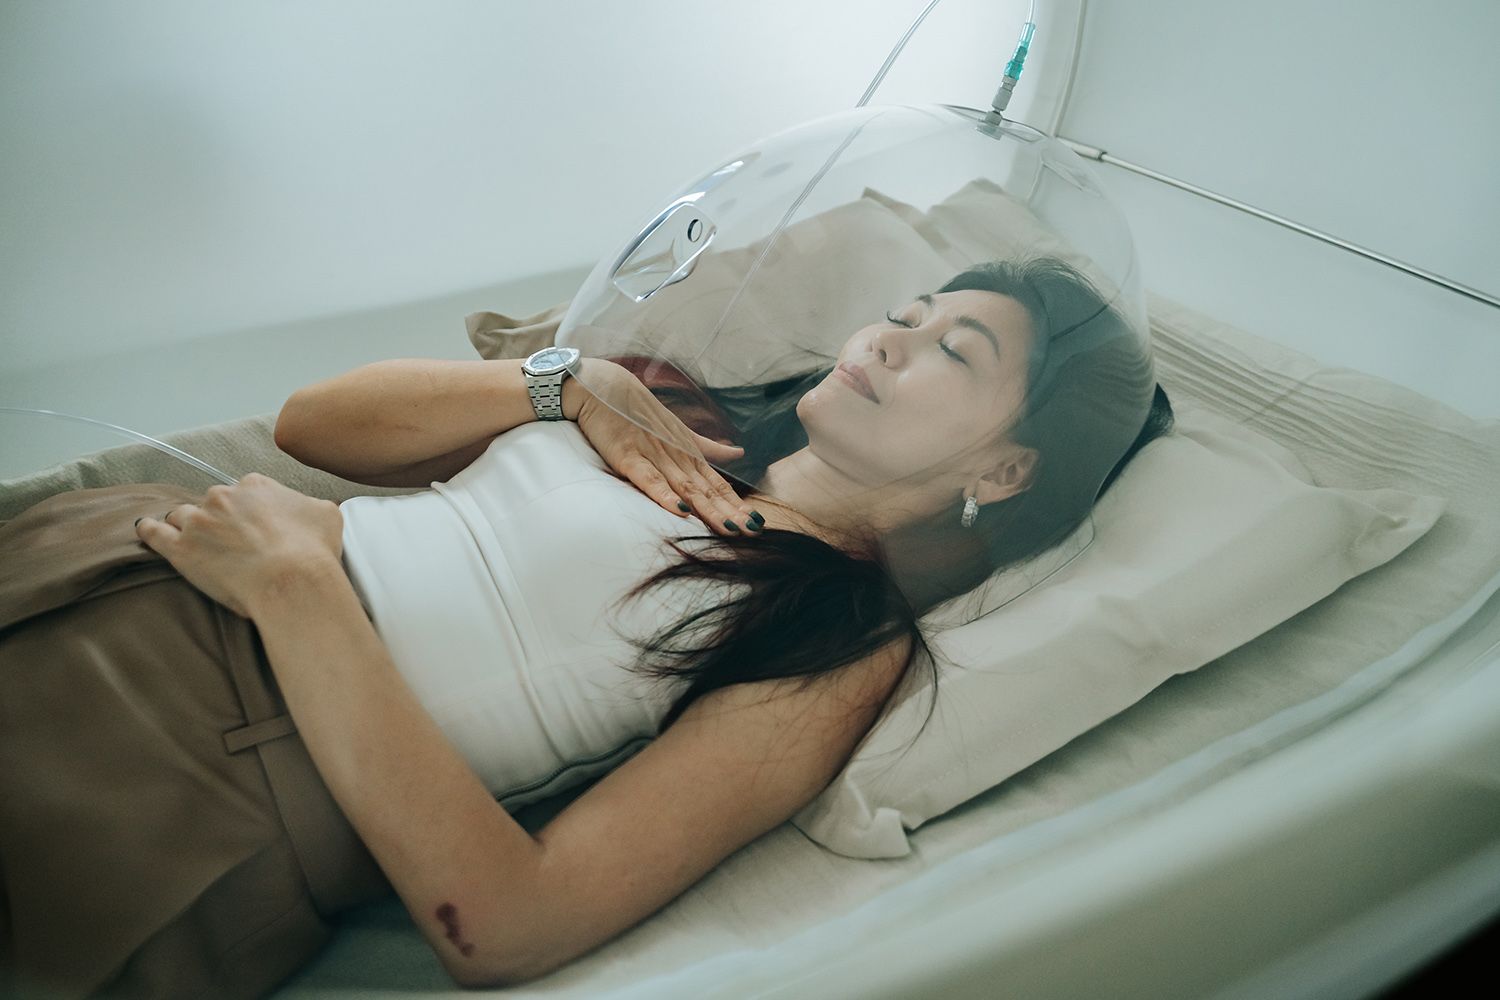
{"x": 271, "y": 554}
{"x": 499, "y": 906}
{"x": 443, "y": 841}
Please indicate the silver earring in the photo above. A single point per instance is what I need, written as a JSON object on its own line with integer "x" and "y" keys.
{"x": 971, "y": 511}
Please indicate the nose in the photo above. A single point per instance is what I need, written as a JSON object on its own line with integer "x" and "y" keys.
{"x": 891, "y": 347}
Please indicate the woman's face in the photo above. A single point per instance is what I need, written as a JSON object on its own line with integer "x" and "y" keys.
{"x": 924, "y": 392}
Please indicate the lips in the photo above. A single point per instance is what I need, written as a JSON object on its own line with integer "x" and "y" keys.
{"x": 855, "y": 377}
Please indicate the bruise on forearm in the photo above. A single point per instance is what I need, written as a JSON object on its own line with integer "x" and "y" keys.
{"x": 447, "y": 914}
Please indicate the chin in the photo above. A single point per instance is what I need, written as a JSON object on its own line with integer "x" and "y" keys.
{"x": 819, "y": 411}
{"x": 812, "y": 404}
{"x": 847, "y": 448}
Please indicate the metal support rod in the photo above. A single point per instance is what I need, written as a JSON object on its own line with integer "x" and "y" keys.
{"x": 1100, "y": 156}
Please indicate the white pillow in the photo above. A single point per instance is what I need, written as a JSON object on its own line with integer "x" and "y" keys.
{"x": 1210, "y": 536}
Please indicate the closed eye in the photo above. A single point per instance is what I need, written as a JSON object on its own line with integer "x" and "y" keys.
{"x": 911, "y": 326}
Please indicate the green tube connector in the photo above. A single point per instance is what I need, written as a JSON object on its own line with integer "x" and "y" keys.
{"x": 1013, "y": 68}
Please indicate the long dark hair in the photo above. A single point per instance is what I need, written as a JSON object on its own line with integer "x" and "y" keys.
{"x": 799, "y": 607}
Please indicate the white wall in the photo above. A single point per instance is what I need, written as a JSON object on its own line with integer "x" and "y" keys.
{"x": 175, "y": 169}
{"x": 1376, "y": 120}
{"x": 205, "y": 206}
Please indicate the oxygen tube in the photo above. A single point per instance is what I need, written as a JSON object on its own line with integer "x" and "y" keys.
{"x": 1008, "y": 82}
{"x": 161, "y": 446}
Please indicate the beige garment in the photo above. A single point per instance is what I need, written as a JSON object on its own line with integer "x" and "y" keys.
{"x": 163, "y": 831}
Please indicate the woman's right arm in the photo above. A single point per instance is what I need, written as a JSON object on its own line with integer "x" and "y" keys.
{"x": 409, "y": 421}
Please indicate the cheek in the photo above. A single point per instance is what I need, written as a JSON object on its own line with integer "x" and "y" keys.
{"x": 934, "y": 436}
{"x": 949, "y": 421}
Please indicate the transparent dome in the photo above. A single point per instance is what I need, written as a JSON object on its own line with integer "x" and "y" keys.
{"x": 822, "y": 261}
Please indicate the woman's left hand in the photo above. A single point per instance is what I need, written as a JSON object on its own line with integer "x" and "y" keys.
{"x": 641, "y": 440}
{"x": 242, "y": 540}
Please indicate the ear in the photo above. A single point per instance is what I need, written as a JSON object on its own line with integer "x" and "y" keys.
{"x": 1007, "y": 479}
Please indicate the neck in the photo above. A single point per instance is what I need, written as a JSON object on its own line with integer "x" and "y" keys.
{"x": 808, "y": 495}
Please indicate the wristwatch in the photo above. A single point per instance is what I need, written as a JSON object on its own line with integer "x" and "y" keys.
{"x": 545, "y": 371}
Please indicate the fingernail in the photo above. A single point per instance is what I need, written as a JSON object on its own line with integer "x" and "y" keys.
{"x": 731, "y": 525}
{"x": 684, "y": 507}
{"x": 755, "y": 516}
{"x": 754, "y": 527}
{"x": 139, "y": 520}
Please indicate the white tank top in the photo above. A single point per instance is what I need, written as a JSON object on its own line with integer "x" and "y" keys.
{"x": 495, "y": 594}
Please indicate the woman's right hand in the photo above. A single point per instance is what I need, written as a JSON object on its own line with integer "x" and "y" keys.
{"x": 645, "y": 443}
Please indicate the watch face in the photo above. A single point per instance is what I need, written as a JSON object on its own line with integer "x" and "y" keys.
{"x": 551, "y": 360}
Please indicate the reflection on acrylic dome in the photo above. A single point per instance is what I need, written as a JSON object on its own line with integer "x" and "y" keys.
{"x": 816, "y": 231}
{"x": 766, "y": 266}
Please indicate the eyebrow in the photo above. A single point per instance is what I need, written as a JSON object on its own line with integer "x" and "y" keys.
{"x": 968, "y": 321}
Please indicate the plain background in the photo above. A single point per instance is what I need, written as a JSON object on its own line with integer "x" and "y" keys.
{"x": 204, "y": 206}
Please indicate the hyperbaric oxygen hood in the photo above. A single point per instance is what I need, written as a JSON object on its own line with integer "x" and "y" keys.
{"x": 804, "y": 249}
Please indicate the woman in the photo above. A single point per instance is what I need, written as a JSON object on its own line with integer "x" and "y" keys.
{"x": 904, "y": 474}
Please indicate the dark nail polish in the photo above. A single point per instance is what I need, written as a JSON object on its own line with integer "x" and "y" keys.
{"x": 751, "y": 525}
{"x": 731, "y": 525}
{"x": 755, "y": 516}
{"x": 684, "y": 507}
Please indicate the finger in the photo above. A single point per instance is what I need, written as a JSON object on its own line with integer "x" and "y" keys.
{"x": 156, "y": 532}
{"x": 697, "y": 482}
{"x": 718, "y": 451}
{"x": 707, "y": 507}
{"x": 217, "y": 495}
{"x": 649, "y": 480}
{"x": 727, "y": 501}
{"x": 686, "y": 472}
